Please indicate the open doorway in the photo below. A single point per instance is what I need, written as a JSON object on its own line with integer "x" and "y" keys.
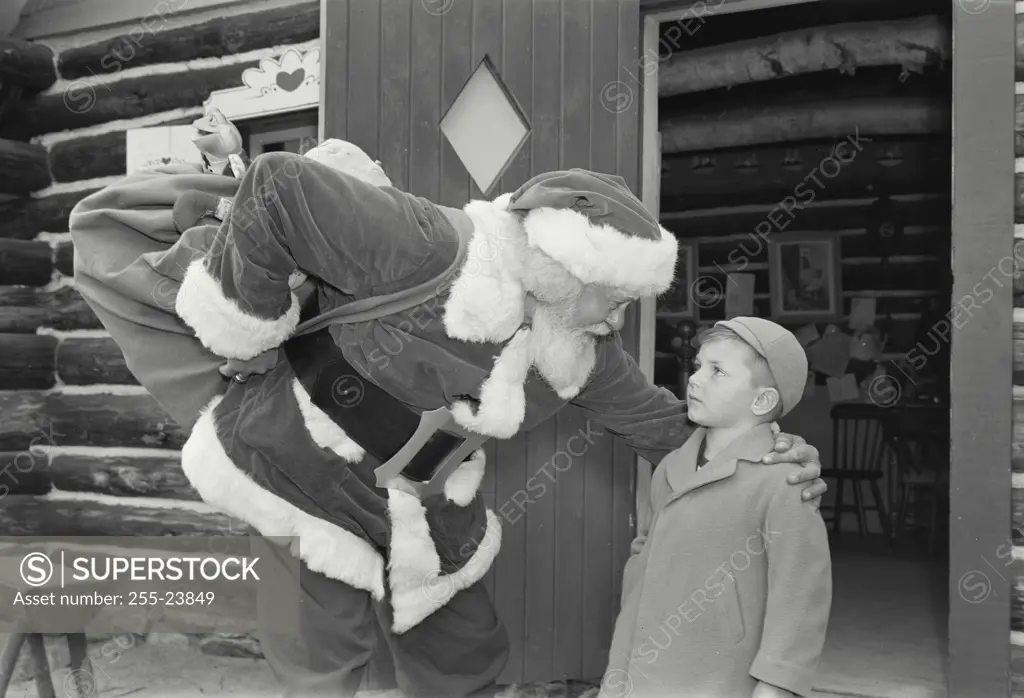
{"x": 801, "y": 153}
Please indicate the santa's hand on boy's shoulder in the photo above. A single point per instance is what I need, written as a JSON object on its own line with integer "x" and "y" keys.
{"x": 790, "y": 448}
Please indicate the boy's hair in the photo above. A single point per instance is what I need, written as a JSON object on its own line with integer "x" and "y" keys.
{"x": 761, "y": 374}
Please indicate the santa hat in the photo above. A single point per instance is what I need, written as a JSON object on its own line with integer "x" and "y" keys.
{"x": 595, "y": 227}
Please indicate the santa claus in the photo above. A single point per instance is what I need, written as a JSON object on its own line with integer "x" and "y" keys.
{"x": 359, "y": 433}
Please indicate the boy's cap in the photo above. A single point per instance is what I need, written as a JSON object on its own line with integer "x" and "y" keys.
{"x": 781, "y": 349}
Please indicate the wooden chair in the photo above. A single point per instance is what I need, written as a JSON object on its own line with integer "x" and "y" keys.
{"x": 858, "y": 455}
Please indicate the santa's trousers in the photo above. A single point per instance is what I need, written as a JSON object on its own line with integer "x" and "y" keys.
{"x": 346, "y": 645}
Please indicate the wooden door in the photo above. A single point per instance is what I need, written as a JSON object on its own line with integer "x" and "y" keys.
{"x": 392, "y": 70}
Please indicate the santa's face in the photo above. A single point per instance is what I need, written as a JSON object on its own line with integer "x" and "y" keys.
{"x": 599, "y": 310}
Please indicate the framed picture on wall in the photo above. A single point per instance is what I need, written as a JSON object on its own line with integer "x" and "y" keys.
{"x": 806, "y": 278}
{"x": 678, "y": 301}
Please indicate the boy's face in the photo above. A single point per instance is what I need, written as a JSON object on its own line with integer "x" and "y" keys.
{"x": 722, "y": 391}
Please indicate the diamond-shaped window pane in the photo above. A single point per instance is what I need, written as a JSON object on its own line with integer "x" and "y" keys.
{"x": 484, "y": 126}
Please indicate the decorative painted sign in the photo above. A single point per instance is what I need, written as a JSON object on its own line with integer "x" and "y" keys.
{"x": 283, "y": 84}
{"x": 156, "y": 146}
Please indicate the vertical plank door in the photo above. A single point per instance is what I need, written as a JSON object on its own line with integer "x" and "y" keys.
{"x": 392, "y": 70}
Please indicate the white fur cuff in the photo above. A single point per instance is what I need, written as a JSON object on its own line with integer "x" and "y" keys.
{"x": 223, "y": 327}
{"x": 324, "y": 547}
{"x": 414, "y": 571}
{"x": 462, "y": 485}
{"x": 600, "y": 254}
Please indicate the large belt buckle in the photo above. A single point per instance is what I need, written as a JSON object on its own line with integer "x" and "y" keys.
{"x": 430, "y": 423}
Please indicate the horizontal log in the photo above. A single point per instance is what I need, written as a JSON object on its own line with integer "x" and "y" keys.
{"x": 27, "y": 361}
{"x": 26, "y": 63}
{"x": 1018, "y": 197}
{"x": 900, "y": 276}
{"x": 783, "y": 216}
{"x": 102, "y": 155}
{"x": 1017, "y": 515}
{"x": 26, "y": 262}
{"x": 36, "y": 516}
{"x": 24, "y": 167}
{"x": 911, "y": 43}
{"x": 132, "y": 476}
{"x": 1018, "y": 122}
{"x": 1016, "y": 614}
{"x": 24, "y": 472}
{"x": 28, "y": 309}
{"x": 27, "y": 217}
{"x": 762, "y": 308}
{"x": 751, "y": 249}
{"x": 146, "y": 44}
{"x": 37, "y": 472}
{"x": 1018, "y": 353}
{"x": 1018, "y": 281}
{"x": 85, "y": 104}
{"x": 1019, "y": 64}
{"x": 89, "y": 361}
{"x": 1017, "y": 452}
{"x": 69, "y": 419}
{"x": 777, "y": 123}
{"x": 762, "y": 174}
{"x": 64, "y": 258}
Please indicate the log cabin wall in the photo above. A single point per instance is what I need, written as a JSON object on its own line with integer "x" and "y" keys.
{"x": 84, "y": 450}
{"x": 752, "y": 106}
{"x": 1017, "y": 491}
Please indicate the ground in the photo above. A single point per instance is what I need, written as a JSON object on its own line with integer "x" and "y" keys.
{"x": 172, "y": 666}
{"x": 886, "y": 640}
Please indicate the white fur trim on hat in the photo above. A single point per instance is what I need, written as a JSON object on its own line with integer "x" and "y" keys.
{"x": 486, "y": 302}
{"x": 601, "y": 254}
{"x": 323, "y": 546}
{"x": 414, "y": 568}
{"x": 221, "y": 325}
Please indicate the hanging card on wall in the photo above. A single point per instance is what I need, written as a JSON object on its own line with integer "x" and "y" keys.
{"x": 866, "y": 346}
{"x": 807, "y": 335}
{"x": 739, "y": 295}
{"x": 862, "y": 313}
{"x": 832, "y": 354}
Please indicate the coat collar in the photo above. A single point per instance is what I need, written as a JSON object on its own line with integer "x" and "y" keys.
{"x": 680, "y": 466}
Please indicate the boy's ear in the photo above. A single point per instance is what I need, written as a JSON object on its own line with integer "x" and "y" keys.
{"x": 765, "y": 402}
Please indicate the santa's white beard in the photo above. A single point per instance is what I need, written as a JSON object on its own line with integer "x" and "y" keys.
{"x": 563, "y": 356}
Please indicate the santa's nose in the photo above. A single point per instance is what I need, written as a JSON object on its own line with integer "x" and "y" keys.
{"x": 616, "y": 319}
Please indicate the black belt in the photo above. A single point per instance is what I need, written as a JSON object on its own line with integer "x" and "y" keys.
{"x": 380, "y": 423}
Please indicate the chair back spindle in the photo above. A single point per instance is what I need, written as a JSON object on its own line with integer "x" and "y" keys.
{"x": 858, "y": 438}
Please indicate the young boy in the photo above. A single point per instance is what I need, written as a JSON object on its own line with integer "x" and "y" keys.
{"x": 728, "y": 591}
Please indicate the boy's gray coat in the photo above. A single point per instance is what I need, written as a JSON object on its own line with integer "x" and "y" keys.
{"x": 729, "y": 584}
